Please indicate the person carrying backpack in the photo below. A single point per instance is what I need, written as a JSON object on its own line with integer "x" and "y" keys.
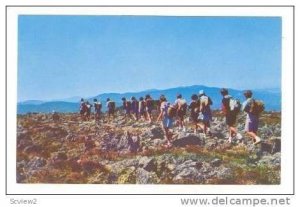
{"x": 55, "y": 116}
{"x": 149, "y": 107}
{"x": 181, "y": 106}
{"x": 142, "y": 108}
{"x": 253, "y": 110}
{"x": 205, "y": 115}
{"x": 127, "y": 107}
{"x": 89, "y": 110}
{"x": 167, "y": 113}
{"x": 83, "y": 109}
{"x": 194, "y": 109}
{"x": 135, "y": 108}
{"x": 230, "y": 108}
{"x": 98, "y": 107}
{"x": 111, "y": 108}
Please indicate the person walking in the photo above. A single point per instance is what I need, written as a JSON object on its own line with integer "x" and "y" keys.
{"x": 111, "y": 105}
{"x": 181, "y": 106}
{"x": 149, "y": 107}
{"x": 166, "y": 117}
{"x": 230, "y": 108}
{"x": 98, "y": 107}
{"x": 252, "y": 119}
{"x": 205, "y": 115}
{"x": 194, "y": 111}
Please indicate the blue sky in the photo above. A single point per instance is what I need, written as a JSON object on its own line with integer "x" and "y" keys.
{"x": 65, "y": 56}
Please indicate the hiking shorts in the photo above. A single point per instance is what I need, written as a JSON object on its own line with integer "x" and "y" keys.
{"x": 251, "y": 124}
{"x": 230, "y": 119}
{"x": 167, "y": 122}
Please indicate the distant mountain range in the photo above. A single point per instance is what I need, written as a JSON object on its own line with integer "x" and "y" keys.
{"x": 271, "y": 98}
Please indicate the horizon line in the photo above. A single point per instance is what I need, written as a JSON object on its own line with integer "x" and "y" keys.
{"x": 140, "y": 91}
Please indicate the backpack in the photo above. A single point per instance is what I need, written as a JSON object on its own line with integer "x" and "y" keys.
{"x": 234, "y": 105}
{"x": 204, "y": 100}
{"x": 171, "y": 111}
{"x": 256, "y": 107}
{"x": 128, "y": 105}
{"x": 111, "y": 105}
{"x": 149, "y": 103}
{"x": 182, "y": 106}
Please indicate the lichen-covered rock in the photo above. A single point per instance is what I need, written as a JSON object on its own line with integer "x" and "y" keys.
{"x": 128, "y": 176}
{"x": 147, "y": 163}
{"x": 128, "y": 151}
{"x": 216, "y": 162}
{"x": 145, "y": 177}
{"x": 189, "y": 139}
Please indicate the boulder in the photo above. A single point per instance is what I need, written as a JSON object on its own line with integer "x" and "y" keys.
{"x": 147, "y": 163}
{"x": 145, "y": 177}
{"x": 128, "y": 176}
{"x": 224, "y": 173}
{"x": 271, "y": 160}
{"x": 134, "y": 143}
{"x": 157, "y": 133}
{"x": 191, "y": 174}
{"x": 183, "y": 141}
{"x": 276, "y": 145}
{"x": 271, "y": 146}
{"x": 216, "y": 162}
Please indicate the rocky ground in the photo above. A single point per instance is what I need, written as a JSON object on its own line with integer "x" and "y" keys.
{"x": 125, "y": 151}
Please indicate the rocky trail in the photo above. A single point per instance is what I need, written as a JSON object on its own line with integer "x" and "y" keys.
{"x": 127, "y": 151}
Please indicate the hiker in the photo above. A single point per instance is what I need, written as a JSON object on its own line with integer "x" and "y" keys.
{"x": 135, "y": 108}
{"x": 55, "y": 116}
{"x": 251, "y": 123}
{"x": 149, "y": 107}
{"x": 205, "y": 115}
{"x": 230, "y": 108}
{"x": 83, "y": 109}
{"x": 88, "y": 110}
{"x": 110, "y": 108}
{"x": 98, "y": 107}
{"x": 194, "y": 109}
{"x": 126, "y": 107}
{"x": 167, "y": 113}
{"x": 156, "y": 105}
{"x": 142, "y": 108}
{"x": 181, "y": 106}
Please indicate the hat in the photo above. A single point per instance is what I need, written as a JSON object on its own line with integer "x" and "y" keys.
{"x": 201, "y": 92}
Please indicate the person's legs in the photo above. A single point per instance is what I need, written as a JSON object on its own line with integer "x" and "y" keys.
{"x": 148, "y": 118}
{"x": 167, "y": 124}
{"x": 256, "y": 139}
{"x": 182, "y": 121}
{"x": 207, "y": 124}
{"x": 251, "y": 128}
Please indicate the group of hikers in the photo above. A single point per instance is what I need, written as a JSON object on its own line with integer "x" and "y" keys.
{"x": 199, "y": 108}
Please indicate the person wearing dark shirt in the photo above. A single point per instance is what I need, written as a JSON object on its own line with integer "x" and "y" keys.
{"x": 194, "y": 109}
{"x": 230, "y": 116}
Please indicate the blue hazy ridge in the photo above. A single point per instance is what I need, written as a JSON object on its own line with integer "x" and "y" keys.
{"x": 271, "y": 98}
